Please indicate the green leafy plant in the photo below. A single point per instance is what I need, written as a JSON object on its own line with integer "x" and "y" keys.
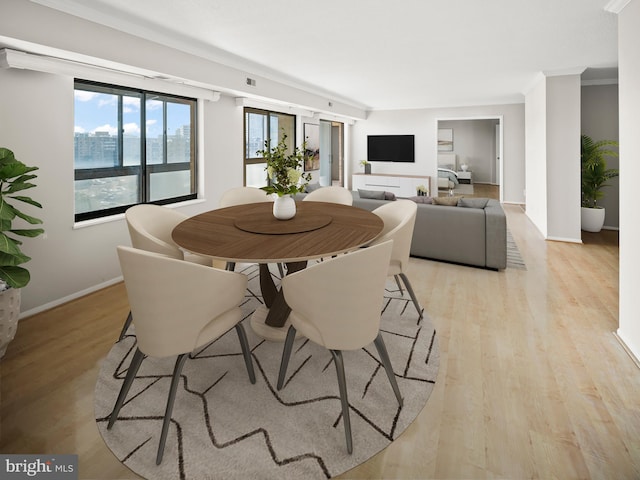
{"x": 15, "y": 177}
{"x": 283, "y": 168}
{"x": 595, "y": 173}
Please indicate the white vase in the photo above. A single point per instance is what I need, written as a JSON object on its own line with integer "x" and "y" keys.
{"x": 9, "y": 313}
{"x": 592, "y": 219}
{"x": 464, "y": 167}
{"x": 284, "y": 207}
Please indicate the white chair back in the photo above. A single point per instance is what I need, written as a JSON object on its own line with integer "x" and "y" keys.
{"x": 337, "y": 303}
{"x": 332, "y": 194}
{"x": 150, "y": 228}
{"x": 399, "y": 219}
{"x": 242, "y": 196}
{"x": 178, "y": 306}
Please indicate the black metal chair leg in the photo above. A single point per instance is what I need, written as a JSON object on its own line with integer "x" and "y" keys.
{"x": 399, "y": 284}
{"x": 126, "y": 326}
{"x": 136, "y": 361}
{"x": 384, "y": 357}
{"x": 175, "y": 380}
{"x": 246, "y": 351}
{"x": 342, "y": 384}
{"x": 286, "y": 354}
{"x": 407, "y": 284}
{"x": 230, "y": 266}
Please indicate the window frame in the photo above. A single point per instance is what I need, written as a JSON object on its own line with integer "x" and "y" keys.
{"x": 257, "y": 160}
{"x": 144, "y": 170}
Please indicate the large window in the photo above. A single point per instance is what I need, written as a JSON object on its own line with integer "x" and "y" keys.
{"x": 118, "y": 163}
{"x": 261, "y": 126}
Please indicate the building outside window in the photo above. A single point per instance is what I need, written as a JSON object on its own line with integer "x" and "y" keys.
{"x": 260, "y": 126}
{"x": 118, "y": 163}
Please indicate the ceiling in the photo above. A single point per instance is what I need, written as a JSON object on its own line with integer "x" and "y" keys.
{"x": 378, "y": 54}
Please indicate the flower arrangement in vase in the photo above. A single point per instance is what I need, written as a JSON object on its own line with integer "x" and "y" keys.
{"x": 285, "y": 176}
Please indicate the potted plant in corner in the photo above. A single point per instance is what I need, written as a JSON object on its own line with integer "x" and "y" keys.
{"x": 594, "y": 176}
{"x": 15, "y": 177}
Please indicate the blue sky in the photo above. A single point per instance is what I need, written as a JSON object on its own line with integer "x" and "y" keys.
{"x": 98, "y": 112}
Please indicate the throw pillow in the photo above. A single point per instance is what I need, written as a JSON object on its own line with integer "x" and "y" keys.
{"x": 421, "y": 199}
{"x": 449, "y": 201}
{"x": 311, "y": 187}
{"x": 371, "y": 194}
{"x": 389, "y": 196}
{"x": 473, "y": 202}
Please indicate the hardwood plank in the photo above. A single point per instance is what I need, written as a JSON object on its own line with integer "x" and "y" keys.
{"x": 532, "y": 382}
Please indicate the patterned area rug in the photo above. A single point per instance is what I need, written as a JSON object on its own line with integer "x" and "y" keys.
{"x": 225, "y": 427}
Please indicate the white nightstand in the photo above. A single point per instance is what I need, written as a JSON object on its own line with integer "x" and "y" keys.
{"x": 465, "y": 177}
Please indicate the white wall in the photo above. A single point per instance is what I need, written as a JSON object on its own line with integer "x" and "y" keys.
{"x": 599, "y": 120}
{"x": 629, "y": 79}
{"x": 423, "y": 123}
{"x": 536, "y": 168}
{"x": 563, "y": 158}
{"x": 553, "y": 157}
{"x": 36, "y": 122}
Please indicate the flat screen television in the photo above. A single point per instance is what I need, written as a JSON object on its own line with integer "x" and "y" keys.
{"x": 391, "y": 148}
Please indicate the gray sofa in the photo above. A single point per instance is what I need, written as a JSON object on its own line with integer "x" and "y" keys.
{"x": 470, "y": 236}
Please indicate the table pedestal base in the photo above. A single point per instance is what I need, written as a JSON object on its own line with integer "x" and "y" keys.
{"x": 275, "y": 334}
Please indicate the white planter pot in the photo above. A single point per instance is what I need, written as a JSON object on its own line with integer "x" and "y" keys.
{"x": 9, "y": 313}
{"x": 284, "y": 207}
{"x": 592, "y": 219}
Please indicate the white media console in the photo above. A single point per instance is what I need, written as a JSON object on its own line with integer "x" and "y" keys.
{"x": 400, "y": 185}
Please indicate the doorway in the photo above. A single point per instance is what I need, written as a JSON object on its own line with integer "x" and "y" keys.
{"x": 331, "y": 153}
{"x": 476, "y": 147}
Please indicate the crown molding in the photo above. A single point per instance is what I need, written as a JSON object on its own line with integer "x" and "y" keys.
{"x": 122, "y": 75}
{"x": 616, "y": 6}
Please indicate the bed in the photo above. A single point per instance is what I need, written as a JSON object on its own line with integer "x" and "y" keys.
{"x": 447, "y": 179}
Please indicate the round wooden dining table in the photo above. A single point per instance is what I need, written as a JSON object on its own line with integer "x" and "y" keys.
{"x": 251, "y": 234}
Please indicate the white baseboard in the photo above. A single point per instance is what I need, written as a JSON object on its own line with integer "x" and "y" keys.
{"x": 562, "y": 239}
{"x": 68, "y": 298}
{"x": 627, "y": 349}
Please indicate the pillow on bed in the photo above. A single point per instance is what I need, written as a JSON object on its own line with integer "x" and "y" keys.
{"x": 371, "y": 194}
{"x": 473, "y": 202}
{"x": 448, "y": 201}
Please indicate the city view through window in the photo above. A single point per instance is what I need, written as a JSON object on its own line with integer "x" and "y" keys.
{"x": 113, "y": 167}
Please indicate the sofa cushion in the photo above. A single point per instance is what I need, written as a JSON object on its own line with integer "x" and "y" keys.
{"x": 389, "y": 196}
{"x": 372, "y": 194}
{"x": 310, "y": 187}
{"x": 449, "y": 201}
{"x": 473, "y": 202}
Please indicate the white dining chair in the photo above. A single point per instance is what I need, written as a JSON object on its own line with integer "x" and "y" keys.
{"x": 399, "y": 218}
{"x": 150, "y": 228}
{"x": 337, "y": 304}
{"x": 242, "y": 196}
{"x": 331, "y": 194}
{"x": 177, "y": 307}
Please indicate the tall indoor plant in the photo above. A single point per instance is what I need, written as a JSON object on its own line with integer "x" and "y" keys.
{"x": 15, "y": 177}
{"x": 594, "y": 176}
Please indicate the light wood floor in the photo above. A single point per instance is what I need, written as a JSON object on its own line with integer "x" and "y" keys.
{"x": 484, "y": 190}
{"x": 532, "y": 382}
